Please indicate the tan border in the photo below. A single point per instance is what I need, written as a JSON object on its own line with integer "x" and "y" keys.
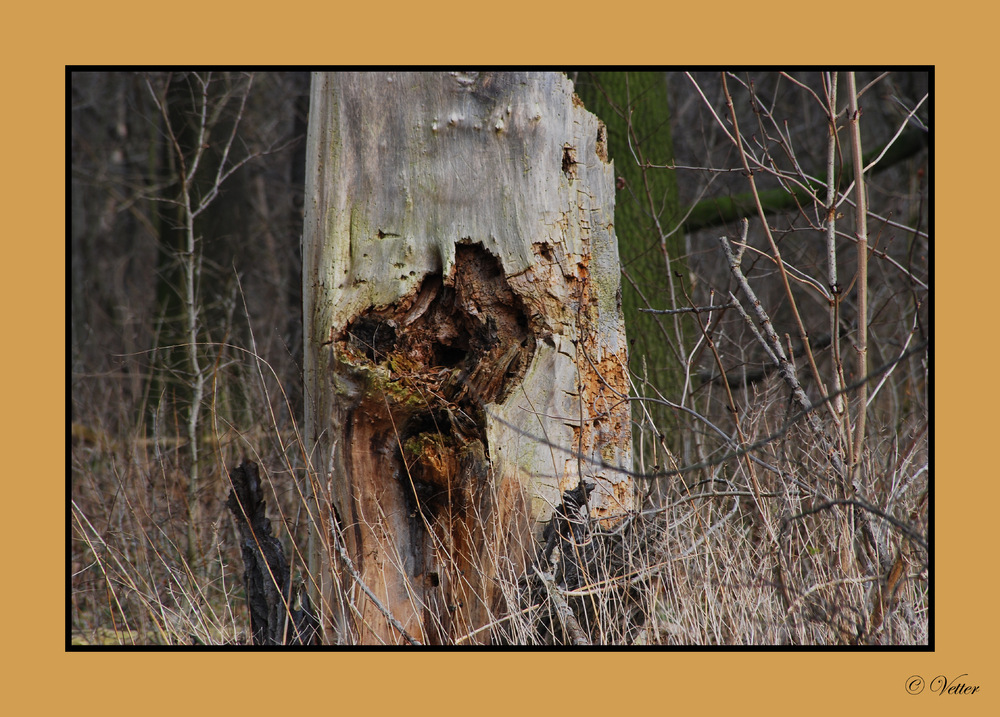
{"x": 41, "y": 678}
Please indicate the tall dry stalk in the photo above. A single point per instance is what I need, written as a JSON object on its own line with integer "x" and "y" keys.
{"x": 861, "y": 233}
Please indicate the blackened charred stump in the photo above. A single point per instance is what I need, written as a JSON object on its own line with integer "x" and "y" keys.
{"x": 578, "y": 555}
{"x": 568, "y": 528}
{"x": 275, "y": 619}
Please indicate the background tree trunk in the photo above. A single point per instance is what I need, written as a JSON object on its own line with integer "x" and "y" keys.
{"x": 465, "y": 356}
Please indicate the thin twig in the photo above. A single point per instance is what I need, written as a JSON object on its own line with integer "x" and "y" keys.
{"x": 691, "y": 309}
{"x": 349, "y": 564}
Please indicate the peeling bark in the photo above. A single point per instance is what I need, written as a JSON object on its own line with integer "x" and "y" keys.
{"x": 465, "y": 354}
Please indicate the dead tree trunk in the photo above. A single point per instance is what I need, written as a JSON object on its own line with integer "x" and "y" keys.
{"x": 465, "y": 357}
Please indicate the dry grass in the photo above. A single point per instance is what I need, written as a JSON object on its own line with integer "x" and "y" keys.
{"x": 703, "y": 567}
{"x": 748, "y": 536}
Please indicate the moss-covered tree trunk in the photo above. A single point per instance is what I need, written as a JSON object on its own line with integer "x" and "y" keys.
{"x": 464, "y": 348}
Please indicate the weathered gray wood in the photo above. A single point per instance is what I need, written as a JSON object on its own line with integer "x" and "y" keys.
{"x": 464, "y": 348}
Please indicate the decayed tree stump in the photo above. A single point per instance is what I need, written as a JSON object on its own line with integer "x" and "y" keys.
{"x": 465, "y": 358}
